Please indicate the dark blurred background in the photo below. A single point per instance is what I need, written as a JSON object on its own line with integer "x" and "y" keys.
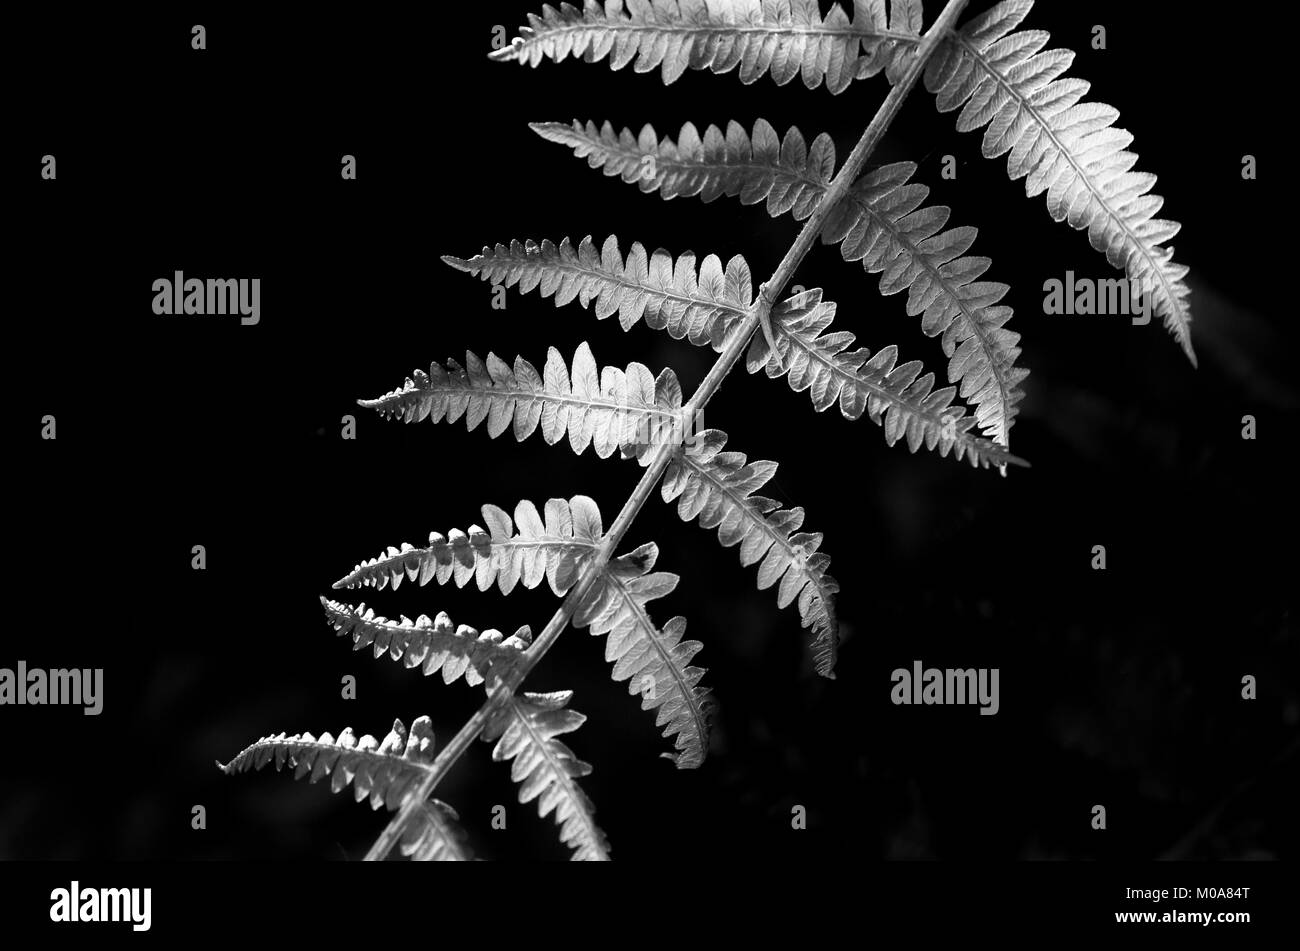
{"x": 1119, "y": 688}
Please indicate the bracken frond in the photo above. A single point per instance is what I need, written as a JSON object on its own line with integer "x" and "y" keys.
{"x": 786, "y": 38}
{"x": 717, "y": 488}
{"x": 432, "y": 645}
{"x": 609, "y": 409}
{"x": 699, "y": 302}
{"x": 1062, "y": 146}
{"x": 896, "y": 396}
{"x": 655, "y": 661}
{"x": 880, "y": 222}
{"x": 525, "y": 728}
{"x": 553, "y": 549}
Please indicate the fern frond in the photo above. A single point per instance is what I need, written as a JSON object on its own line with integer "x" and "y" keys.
{"x": 654, "y": 661}
{"x": 382, "y": 771}
{"x": 525, "y": 728}
{"x": 433, "y": 646}
{"x": 553, "y": 549}
{"x": 437, "y": 837}
{"x": 700, "y": 302}
{"x": 717, "y": 488}
{"x": 1062, "y": 146}
{"x": 896, "y": 396}
{"x": 785, "y": 38}
{"x": 880, "y": 223}
{"x": 609, "y": 409}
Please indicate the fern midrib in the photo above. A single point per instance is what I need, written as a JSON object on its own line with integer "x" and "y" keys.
{"x": 786, "y": 29}
{"x": 653, "y": 635}
{"x": 1175, "y": 306}
{"x": 372, "y": 756}
{"x": 548, "y": 541}
{"x": 562, "y": 777}
{"x": 541, "y": 541}
{"x": 540, "y": 396}
{"x": 688, "y": 165}
{"x": 435, "y": 636}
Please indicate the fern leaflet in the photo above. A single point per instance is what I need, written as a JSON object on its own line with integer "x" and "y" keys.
{"x": 1062, "y": 146}
{"x": 786, "y": 38}
{"x": 381, "y": 771}
{"x": 437, "y": 837}
{"x": 608, "y": 409}
{"x": 717, "y": 488}
{"x": 525, "y": 728}
{"x": 655, "y": 661}
{"x": 433, "y": 646}
{"x": 553, "y": 549}
{"x": 700, "y": 302}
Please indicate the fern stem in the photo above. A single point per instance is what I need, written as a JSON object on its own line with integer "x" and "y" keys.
{"x": 502, "y": 690}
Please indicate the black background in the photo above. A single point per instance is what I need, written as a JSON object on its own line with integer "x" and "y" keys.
{"x": 1119, "y": 687}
